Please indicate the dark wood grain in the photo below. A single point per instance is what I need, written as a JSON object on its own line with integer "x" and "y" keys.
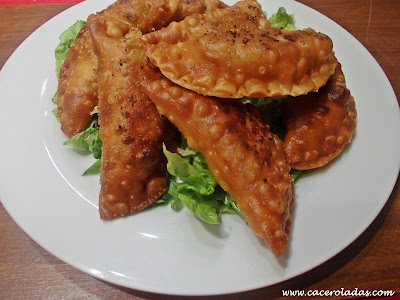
{"x": 17, "y": 22}
{"x": 372, "y": 262}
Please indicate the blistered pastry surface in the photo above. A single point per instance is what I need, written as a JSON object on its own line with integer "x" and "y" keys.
{"x": 244, "y": 157}
{"x": 233, "y": 52}
{"x": 77, "y": 85}
{"x": 319, "y": 125}
{"x": 133, "y": 171}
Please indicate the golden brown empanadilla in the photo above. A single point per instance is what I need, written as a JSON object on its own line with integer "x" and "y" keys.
{"x": 77, "y": 85}
{"x": 233, "y": 52}
{"x": 243, "y": 155}
{"x": 319, "y": 125}
{"x": 189, "y": 7}
{"x": 133, "y": 170}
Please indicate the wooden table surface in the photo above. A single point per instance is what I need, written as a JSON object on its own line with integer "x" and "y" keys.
{"x": 372, "y": 262}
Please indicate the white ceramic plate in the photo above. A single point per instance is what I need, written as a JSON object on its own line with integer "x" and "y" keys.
{"x": 160, "y": 250}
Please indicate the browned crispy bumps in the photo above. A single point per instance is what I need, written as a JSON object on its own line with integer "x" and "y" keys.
{"x": 319, "y": 125}
{"x": 233, "y": 53}
{"x": 243, "y": 155}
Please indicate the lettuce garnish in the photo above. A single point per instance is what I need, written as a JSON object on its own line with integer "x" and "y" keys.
{"x": 88, "y": 141}
{"x": 195, "y": 187}
{"x": 66, "y": 40}
{"x": 281, "y": 19}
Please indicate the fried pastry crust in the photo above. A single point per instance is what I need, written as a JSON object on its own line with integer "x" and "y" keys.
{"x": 233, "y": 52}
{"x": 189, "y": 7}
{"x": 133, "y": 171}
{"x": 319, "y": 125}
{"x": 77, "y": 85}
{"x": 146, "y": 15}
{"x": 244, "y": 157}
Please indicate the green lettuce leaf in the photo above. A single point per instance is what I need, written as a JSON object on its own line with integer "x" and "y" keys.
{"x": 296, "y": 174}
{"x": 88, "y": 141}
{"x": 94, "y": 168}
{"x": 55, "y": 98}
{"x": 196, "y": 188}
{"x": 281, "y": 19}
{"x": 56, "y": 113}
{"x": 66, "y": 40}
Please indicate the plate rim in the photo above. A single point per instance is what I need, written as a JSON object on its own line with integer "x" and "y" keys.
{"x": 82, "y": 268}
